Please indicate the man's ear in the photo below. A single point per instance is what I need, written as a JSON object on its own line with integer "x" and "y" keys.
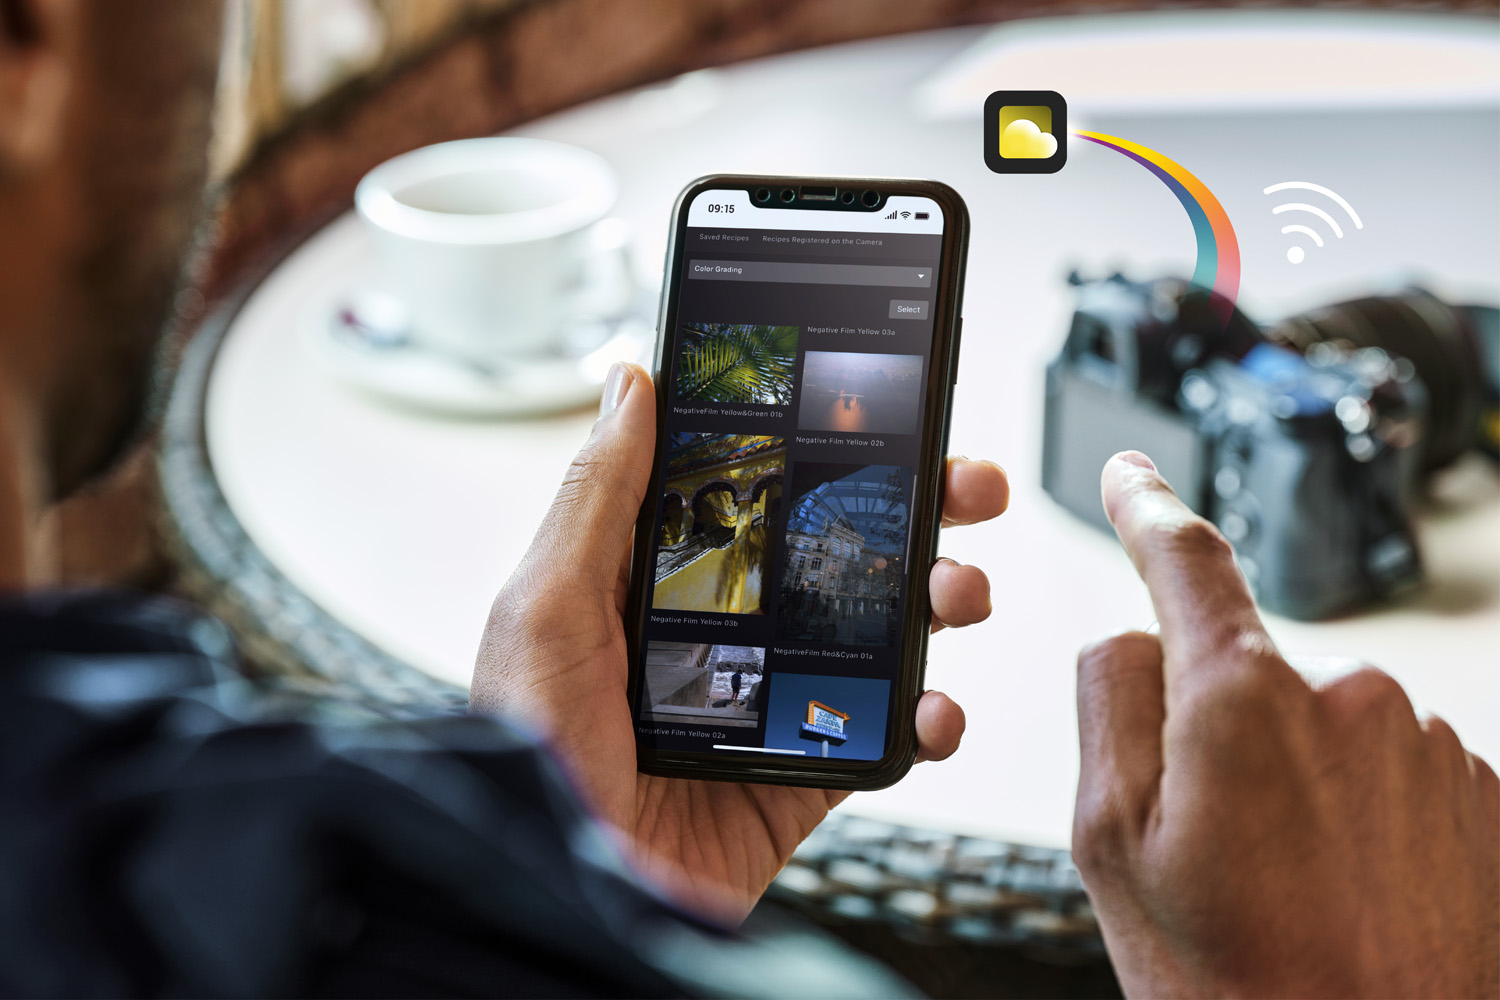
{"x": 38, "y": 49}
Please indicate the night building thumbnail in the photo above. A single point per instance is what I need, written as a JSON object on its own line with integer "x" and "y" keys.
{"x": 842, "y": 577}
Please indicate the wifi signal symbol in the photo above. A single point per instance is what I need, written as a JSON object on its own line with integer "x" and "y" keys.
{"x": 906, "y": 215}
{"x": 1295, "y": 254}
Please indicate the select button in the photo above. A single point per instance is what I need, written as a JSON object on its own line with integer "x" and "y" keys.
{"x": 908, "y": 309}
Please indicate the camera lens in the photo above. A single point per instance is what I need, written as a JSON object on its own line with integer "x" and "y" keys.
{"x": 763, "y": 195}
{"x": 787, "y": 194}
{"x": 1439, "y": 340}
{"x": 847, "y": 197}
{"x": 871, "y": 199}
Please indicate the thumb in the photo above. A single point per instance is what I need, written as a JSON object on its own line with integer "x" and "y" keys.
{"x": 587, "y": 533}
{"x": 1120, "y": 717}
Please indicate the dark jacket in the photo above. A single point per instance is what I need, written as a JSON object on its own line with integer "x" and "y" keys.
{"x": 165, "y": 830}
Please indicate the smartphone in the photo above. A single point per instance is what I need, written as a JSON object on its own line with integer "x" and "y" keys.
{"x": 806, "y": 355}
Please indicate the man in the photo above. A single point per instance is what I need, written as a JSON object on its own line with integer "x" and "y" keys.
{"x": 162, "y": 832}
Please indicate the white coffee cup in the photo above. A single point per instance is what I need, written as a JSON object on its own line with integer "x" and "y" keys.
{"x": 492, "y": 244}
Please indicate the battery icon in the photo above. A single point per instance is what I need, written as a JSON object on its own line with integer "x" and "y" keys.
{"x": 921, "y": 215}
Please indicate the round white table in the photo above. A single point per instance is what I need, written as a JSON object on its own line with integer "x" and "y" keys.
{"x": 403, "y": 525}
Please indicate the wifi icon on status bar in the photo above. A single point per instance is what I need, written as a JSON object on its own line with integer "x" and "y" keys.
{"x": 1295, "y": 253}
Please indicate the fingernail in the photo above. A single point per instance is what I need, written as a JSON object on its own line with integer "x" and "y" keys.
{"x": 615, "y": 388}
{"x": 1137, "y": 459}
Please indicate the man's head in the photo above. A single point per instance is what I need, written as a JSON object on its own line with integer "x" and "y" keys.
{"x": 104, "y": 122}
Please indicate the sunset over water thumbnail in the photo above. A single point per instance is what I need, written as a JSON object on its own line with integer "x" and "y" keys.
{"x": 860, "y": 393}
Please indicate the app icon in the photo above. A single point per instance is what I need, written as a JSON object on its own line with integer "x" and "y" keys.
{"x": 1025, "y": 132}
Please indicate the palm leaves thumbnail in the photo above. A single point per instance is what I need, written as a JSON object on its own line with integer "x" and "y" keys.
{"x": 737, "y": 363}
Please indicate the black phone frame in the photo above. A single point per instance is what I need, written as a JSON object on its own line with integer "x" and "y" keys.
{"x": 927, "y": 504}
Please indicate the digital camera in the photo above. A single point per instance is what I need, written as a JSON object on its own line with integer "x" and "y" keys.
{"x": 1305, "y": 444}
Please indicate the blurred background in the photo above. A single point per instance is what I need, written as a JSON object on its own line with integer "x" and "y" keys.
{"x": 355, "y": 542}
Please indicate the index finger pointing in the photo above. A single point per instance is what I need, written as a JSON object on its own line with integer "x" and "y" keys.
{"x": 1209, "y": 622}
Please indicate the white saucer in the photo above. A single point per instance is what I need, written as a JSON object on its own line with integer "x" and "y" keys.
{"x": 361, "y": 337}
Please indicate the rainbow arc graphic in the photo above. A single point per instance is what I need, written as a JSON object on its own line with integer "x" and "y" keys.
{"x": 1218, "y": 266}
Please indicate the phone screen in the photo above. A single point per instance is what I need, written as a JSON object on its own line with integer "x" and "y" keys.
{"x": 794, "y": 378}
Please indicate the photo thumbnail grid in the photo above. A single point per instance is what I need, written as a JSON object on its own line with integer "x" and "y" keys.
{"x": 723, "y": 688}
{"x": 817, "y": 549}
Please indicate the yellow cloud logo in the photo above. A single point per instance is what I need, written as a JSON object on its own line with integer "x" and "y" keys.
{"x": 1025, "y": 132}
{"x": 1022, "y": 140}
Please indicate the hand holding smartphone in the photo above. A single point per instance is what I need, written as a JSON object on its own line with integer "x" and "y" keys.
{"x": 807, "y": 350}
